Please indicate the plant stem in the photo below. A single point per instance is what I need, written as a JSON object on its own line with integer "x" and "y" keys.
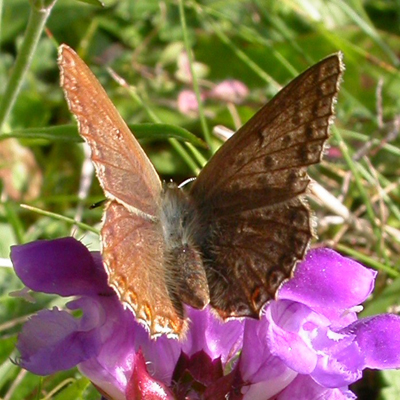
{"x": 196, "y": 88}
{"x": 36, "y": 23}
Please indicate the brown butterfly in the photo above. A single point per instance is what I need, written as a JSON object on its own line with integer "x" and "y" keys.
{"x": 236, "y": 235}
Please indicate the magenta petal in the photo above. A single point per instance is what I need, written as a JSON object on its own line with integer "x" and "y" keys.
{"x": 46, "y": 336}
{"x": 62, "y": 266}
{"x": 332, "y": 295}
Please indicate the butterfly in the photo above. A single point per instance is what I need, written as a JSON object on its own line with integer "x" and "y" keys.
{"x": 235, "y": 236}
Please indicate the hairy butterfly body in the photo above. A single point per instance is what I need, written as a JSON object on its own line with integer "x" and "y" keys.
{"x": 237, "y": 234}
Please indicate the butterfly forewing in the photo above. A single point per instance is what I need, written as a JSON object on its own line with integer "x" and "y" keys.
{"x": 251, "y": 193}
{"x": 132, "y": 240}
{"x": 124, "y": 171}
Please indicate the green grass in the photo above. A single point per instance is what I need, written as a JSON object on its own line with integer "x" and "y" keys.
{"x": 264, "y": 44}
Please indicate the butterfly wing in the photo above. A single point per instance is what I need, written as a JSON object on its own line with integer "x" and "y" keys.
{"x": 132, "y": 238}
{"x": 251, "y": 193}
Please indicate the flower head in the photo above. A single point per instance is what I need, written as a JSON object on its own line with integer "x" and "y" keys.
{"x": 308, "y": 344}
{"x": 230, "y": 90}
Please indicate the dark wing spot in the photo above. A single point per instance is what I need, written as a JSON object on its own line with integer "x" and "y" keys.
{"x": 269, "y": 161}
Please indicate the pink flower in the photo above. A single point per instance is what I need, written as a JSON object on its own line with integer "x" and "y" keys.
{"x": 230, "y": 90}
{"x": 187, "y": 102}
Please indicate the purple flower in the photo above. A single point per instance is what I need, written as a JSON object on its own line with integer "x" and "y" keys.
{"x": 308, "y": 344}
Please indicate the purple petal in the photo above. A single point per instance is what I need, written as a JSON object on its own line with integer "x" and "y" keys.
{"x": 269, "y": 387}
{"x": 46, "y": 336}
{"x": 161, "y": 354}
{"x": 288, "y": 334}
{"x": 319, "y": 283}
{"x": 265, "y": 373}
{"x": 304, "y": 388}
{"x": 371, "y": 342}
{"x": 215, "y": 337}
{"x": 206, "y": 332}
{"x": 62, "y": 266}
{"x": 112, "y": 366}
{"x": 340, "y": 365}
{"x": 379, "y": 340}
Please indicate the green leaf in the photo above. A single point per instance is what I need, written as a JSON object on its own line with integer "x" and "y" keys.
{"x": 63, "y": 133}
{"x": 163, "y": 131}
{"x": 69, "y": 133}
{"x": 60, "y": 218}
{"x": 93, "y": 2}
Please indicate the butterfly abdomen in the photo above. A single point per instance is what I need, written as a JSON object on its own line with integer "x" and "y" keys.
{"x": 186, "y": 277}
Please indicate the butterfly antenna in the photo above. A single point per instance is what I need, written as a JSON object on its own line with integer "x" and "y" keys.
{"x": 186, "y": 182}
{"x": 98, "y": 204}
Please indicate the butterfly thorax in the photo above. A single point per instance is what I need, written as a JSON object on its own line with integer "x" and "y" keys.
{"x": 184, "y": 267}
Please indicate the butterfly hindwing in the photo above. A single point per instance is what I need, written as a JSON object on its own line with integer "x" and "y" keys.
{"x": 251, "y": 193}
{"x": 133, "y": 252}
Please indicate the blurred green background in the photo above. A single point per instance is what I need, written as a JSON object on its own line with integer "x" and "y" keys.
{"x": 263, "y": 44}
